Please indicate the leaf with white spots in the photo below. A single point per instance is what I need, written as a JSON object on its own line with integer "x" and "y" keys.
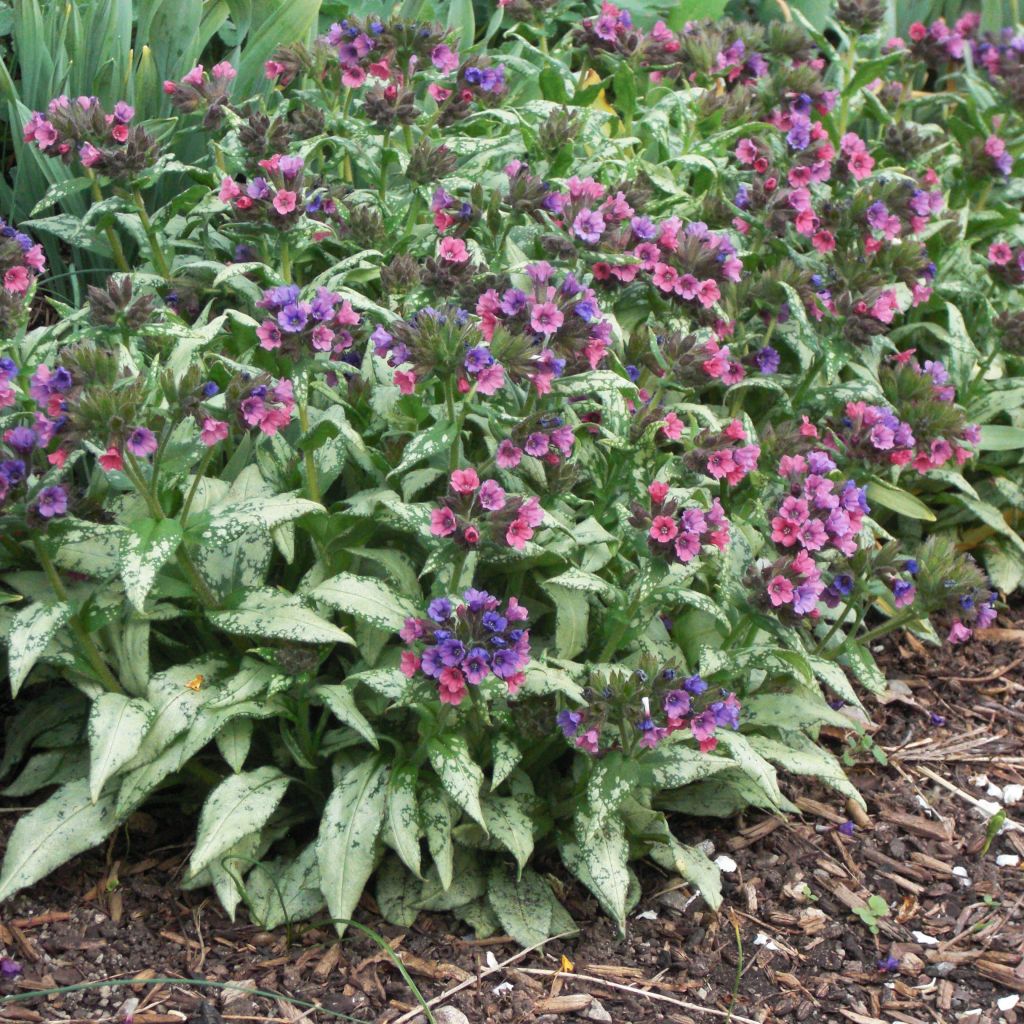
{"x": 599, "y": 860}
{"x": 145, "y": 548}
{"x": 270, "y": 614}
{"x": 523, "y": 905}
{"x": 802, "y": 756}
{"x": 67, "y": 824}
{"x": 511, "y": 826}
{"x": 233, "y": 742}
{"x": 285, "y": 890}
{"x": 230, "y": 521}
{"x": 241, "y": 804}
{"x": 458, "y": 772}
{"x": 437, "y": 814}
{"x": 751, "y": 762}
{"x": 346, "y": 845}
{"x": 368, "y": 599}
{"x": 398, "y": 893}
{"x": 403, "y": 825}
{"x": 117, "y": 727}
{"x": 340, "y": 700}
{"x": 31, "y": 631}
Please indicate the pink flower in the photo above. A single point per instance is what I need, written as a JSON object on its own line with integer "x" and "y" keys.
{"x": 453, "y": 250}
{"x": 213, "y": 431}
{"x": 780, "y": 591}
{"x": 588, "y": 741}
{"x": 708, "y": 293}
{"x": 442, "y": 522}
{"x": 658, "y": 491}
{"x": 195, "y": 76}
{"x": 444, "y": 58}
{"x": 1000, "y": 254}
{"x": 687, "y": 546}
{"x": 111, "y": 460}
{"x": 269, "y": 334}
{"x": 959, "y": 633}
{"x": 546, "y": 318}
{"x": 720, "y": 464}
{"x": 518, "y": 533}
{"x": 508, "y": 455}
{"x": 409, "y": 664}
{"x": 491, "y": 379}
{"x": 223, "y": 71}
{"x": 735, "y": 431}
{"x": 492, "y": 496}
{"x": 229, "y": 189}
{"x": 464, "y": 481}
{"x": 284, "y": 201}
{"x": 663, "y": 529}
{"x": 451, "y": 686}
{"x": 824, "y": 241}
{"x": 673, "y": 426}
{"x": 665, "y": 277}
{"x": 89, "y": 155}
{"x": 405, "y": 381}
{"x": 272, "y": 69}
{"x": 16, "y": 280}
{"x": 141, "y": 441}
{"x": 785, "y": 531}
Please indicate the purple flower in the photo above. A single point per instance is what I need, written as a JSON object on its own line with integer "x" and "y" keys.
{"x": 537, "y": 445}
{"x": 432, "y": 664}
{"x": 504, "y": 663}
{"x": 588, "y": 226}
{"x": 9, "y": 968}
{"x": 53, "y": 501}
{"x": 257, "y": 189}
{"x": 293, "y": 318}
{"x": 694, "y": 685}
{"x": 141, "y": 441}
{"x": 799, "y": 136}
{"x": 451, "y": 652}
{"x": 21, "y": 439}
{"x": 494, "y": 622}
{"x": 768, "y": 360}
{"x": 936, "y": 719}
{"x": 643, "y": 228}
{"x": 440, "y": 609}
{"x": 587, "y": 310}
{"x": 475, "y": 665}
{"x": 677, "y": 703}
{"x": 889, "y": 965}
{"x": 513, "y": 302}
{"x": 846, "y": 828}
{"x": 478, "y": 359}
{"x": 290, "y": 166}
{"x": 568, "y": 721}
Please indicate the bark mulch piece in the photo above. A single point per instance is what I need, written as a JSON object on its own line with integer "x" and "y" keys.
{"x": 789, "y": 941}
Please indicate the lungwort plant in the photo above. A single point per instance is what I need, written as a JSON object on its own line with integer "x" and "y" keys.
{"x": 497, "y": 447}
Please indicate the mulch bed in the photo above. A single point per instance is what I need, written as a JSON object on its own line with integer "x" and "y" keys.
{"x": 787, "y": 943}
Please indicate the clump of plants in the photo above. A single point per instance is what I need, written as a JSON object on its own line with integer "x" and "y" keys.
{"x": 476, "y": 456}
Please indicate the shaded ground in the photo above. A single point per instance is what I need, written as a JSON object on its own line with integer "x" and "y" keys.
{"x": 788, "y": 941}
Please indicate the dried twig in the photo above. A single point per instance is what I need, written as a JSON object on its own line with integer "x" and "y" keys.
{"x": 1008, "y": 823}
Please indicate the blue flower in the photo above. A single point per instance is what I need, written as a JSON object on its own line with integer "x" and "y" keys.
{"x": 440, "y": 609}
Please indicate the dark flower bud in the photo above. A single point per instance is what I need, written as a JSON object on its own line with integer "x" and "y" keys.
{"x": 401, "y": 275}
{"x": 429, "y": 163}
{"x": 860, "y": 15}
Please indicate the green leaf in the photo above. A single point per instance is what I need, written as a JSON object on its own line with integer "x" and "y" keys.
{"x": 796, "y": 710}
{"x": 229, "y": 522}
{"x": 460, "y": 18}
{"x": 802, "y": 756}
{"x": 673, "y": 765}
{"x": 234, "y": 741}
{"x": 898, "y": 500}
{"x": 996, "y": 438}
{"x": 510, "y": 825}
{"x": 274, "y": 615}
{"x": 523, "y": 905}
{"x": 284, "y": 22}
{"x": 750, "y": 761}
{"x": 286, "y": 890}
{"x": 829, "y": 673}
{"x": 398, "y": 894}
{"x": 862, "y": 665}
{"x": 117, "y": 727}
{"x": 992, "y": 518}
{"x": 60, "y": 190}
{"x": 572, "y": 615}
{"x": 599, "y": 860}
{"x": 241, "y": 804}
{"x": 691, "y": 864}
{"x": 346, "y": 845}
{"x": 506, "y": 755}
{"x": 459, "y": 774}
{"x": 67, "y": 824}
{"x": 366, "y": 598}
{"x": 145, "y": 549}
{"x": 403, "y": 820}
{"x": 437, "y": 817}
{"x": 31, "y": 631}
{"x": 340, "y": 699}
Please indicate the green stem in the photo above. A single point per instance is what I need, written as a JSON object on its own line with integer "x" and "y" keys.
{"x": 808, "y": 379}
{"x": 188, "y": 567}
{"x": 898, "y": 622}
{"x": 82, "y": 635}
{"x": 407, "y": 136}
{"x": 286, "y": 261}
{"x": 159, "y": 260}
{"x": 619, "y": 632}
{"x": 383, "y": 186}
{"x": 112, "y": 237}
{"x": 849, "y": 62}
{"x": 312, "y": 482}
{"x": 190, "y": 497}
{"x": 840, "y": 619}
{"x": 457, "y": 566}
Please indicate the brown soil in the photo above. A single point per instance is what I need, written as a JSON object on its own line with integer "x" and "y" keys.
{"x": 787, "y": 941}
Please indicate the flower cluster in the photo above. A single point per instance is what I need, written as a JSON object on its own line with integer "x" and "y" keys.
{"x": 263, "y": 403}
{"x": 723, "y": 455}
{"x": 204, "y": 91}
{"x": 667, "y": 703}
{"x": 300, "y": 327}
{"x": 1006, "y": 263}
{"x": 677, "y": 533}
{"x": 444, "y": 344}
{"x": 80, "y": 129}
{"x": 276, "y": 197}
{"x": 950, "y": 582}
{"x": 466, "y": 643}
{"x": 543, "y": 437}
{"x": 553, "y": 328}
{"x": 21, "y": 262}
{"x": 472, "y": 511}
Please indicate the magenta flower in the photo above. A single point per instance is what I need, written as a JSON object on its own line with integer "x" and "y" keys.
{"x": 465, "y": 481}
{"x": 780, "y": 591}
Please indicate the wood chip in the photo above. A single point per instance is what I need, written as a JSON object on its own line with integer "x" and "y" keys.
{"x": 1006, "y": 976}
{"x": 564, "y": 1004}
{"x": 918, "y": 826}
{"x": 52, "y": 917}
{"x": 327, "y": 963}
{"x": 19, "y": 1013}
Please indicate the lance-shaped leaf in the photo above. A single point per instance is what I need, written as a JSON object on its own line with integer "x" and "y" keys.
{"x": 145, "y": 549}
{"x": 229, "y": 522}
{"x": 511, "y": 826}
{"x": 117, "y": 727}
{"x": 459, "y": 773}
{"x": 522, "y": 905}
{"x": 345, "y": 847}
{"x": 275, "y": 615}
{"x": 31, "y": 631}
{"x": 241, "y": 804}
{"x": 342, "y": 703}
{"x": 368, "y": 599}
{"x": 67, "y": 824}
{"x": 403, "y": 827}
